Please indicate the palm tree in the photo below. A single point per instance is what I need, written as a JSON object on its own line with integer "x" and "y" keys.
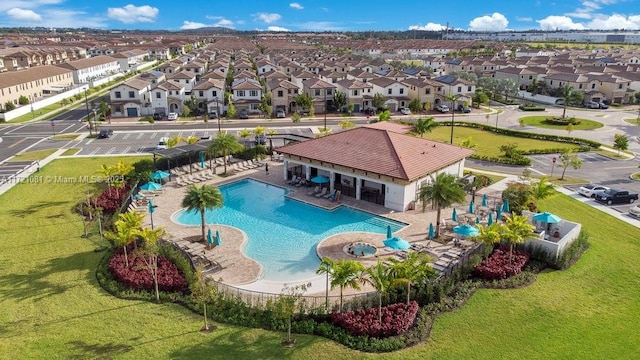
{"x": 150, "y": 251}
{"x": 442, "y": 192}
{"x": 414, "y": 268}
{"x": 453, "y": 99}
{"x": 424, "y": 125}
{"x": 542, "y": 189}
{"x": 226, "y": 143}
{"x": 125, "y": 226}
{"x": 378, "y": 277}
{"x": 516, "y": 230}
{"x": 327, "y": 266}
{"x": 569, "y": 95}
{"x": 489, "y": 235}
{"x": 201, "y": 199}
{"x": 344, "y": 273}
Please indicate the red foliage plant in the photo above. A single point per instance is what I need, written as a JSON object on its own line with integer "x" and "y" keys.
{"x": 111, "y": 198}
{"x": 137, "y": 276}
{"x": 497, "y": 265}
{"x": 396, "y": 319}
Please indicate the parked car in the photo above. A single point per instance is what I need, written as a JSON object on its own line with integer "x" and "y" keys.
{"x": 442, "y": 108}
{"x": 280, "y": 114}
{"x": 172, "y": 116}
{"x": 370, "y": 111}
{"x": 591, "y": 190}
{"x": 616, "y": 196}
{"x": 243, "y": 114}
{"x": 162, "y": 143}
{"x": 213, "y": 114}
{"x": 158, "y": 116}
{"x": 635, "y": 211}
{"x": 603, "y": 105}
{"x": 105, "y": 133}
{"x": 261, "y": 139}
{"x": 592, "y": 105}
{"x": 405, "y": 111}
{"x": 464, "y": 109}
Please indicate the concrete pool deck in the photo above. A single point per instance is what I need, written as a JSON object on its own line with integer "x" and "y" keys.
{"x": 236, "y": 269}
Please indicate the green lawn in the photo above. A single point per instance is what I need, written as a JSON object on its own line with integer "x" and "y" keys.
{"x": 633, "y": 121}
{"x": 538, "y": 121}
{"x": 52, "y": 306}
{"x": 65, "y": 137}
{"x": 34, "y": 155}
{"x": 488, "y": 143}
{"x": 70, "y": 152}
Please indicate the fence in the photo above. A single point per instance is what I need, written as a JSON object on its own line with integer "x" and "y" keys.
{"x": 42, "y": 103}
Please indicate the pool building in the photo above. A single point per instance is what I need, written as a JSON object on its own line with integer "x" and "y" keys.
{"x": 378, "y": 163}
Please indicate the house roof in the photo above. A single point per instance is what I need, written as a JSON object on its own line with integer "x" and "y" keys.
{"x": 87, "y": 63}
{"x": 12, "y": 78}
{"x": 380, "y": 149}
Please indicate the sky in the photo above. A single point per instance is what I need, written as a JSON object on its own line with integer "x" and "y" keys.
{"x": 324, "y": 15}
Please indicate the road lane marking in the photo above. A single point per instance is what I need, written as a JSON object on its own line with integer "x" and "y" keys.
{"x": 18, "y": 142}
{"x": 140, "y": 136}
{"x": 18, "y": 128}
{"x": 95, "y": 151}
{"x": 67, "y": 128}
{"x": 126, "y": 150}
{"x": 89, "y": 141}
{"x": 126, "y": 136}
{"x": 111, "y": 150}
{"x": 621, "y": 167}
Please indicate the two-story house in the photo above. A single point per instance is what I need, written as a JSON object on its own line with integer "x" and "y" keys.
{"x": 87, "y": 70}
{"x": 283, "y": 93}
{"x": 395, "y": 92}
{"x": 210, "y": 95}
{"x": 357, "y": 92}
{"x": 131, "y": 99}
{"x": 168, "y": 97}
{"x": 425, "y": 90}
{"x": 130, "y": 59}
{"x": 321, "y": 92}
{"x": 461, "y": 89}
{"x": 33, "y": 83}
{"x": 154, "y": 77}
{"x": 186, "y": 78}
{"x": 247, "y": 94}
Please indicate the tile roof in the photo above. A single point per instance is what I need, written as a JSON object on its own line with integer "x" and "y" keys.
{"x": 380, "y": 151}
{"x": 87, "y": 63}
{"x": 12, "y": 78}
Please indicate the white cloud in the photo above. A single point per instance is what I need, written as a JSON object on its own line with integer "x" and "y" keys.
{"x": 295, "y": 5}
{"x": 132, "y": 14}
{"x": 190, "y": 25}
{"x": 524, "y": 18}
{"x": 268, "y": 18}
{"x": 615, "y": 21}
{"x": 319, "y": 26}
{"x": 277, "y": 28}
{"x": 24, "y": 15}
{"x": 555, "y": 22}
{"x": 428, "y": 27}
{"x": 221, "y": 22}
{"x": 495, "y": 22}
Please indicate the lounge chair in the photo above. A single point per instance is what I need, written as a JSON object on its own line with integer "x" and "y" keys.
{"x": 322, "y": 193}
{"x": 315, "y": 191}
{"x": 330, "y": 194}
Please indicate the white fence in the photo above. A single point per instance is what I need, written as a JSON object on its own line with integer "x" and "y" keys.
{"x": 44, "y": 102}
{"x": 554, "y": 245}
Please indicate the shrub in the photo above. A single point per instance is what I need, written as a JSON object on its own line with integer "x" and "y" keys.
{"x": 531, "y": 107}
{"x": 573, "y": 252}
{"x": 137, "y": 276}
{"x": 562, "y": 121}
{"x": 111, "y": 199}
{"x": 497, "y": 266}
{"x": 396, "y": 319}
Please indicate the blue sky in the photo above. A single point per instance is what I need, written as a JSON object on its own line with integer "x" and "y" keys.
{"x": 316, "y": 15}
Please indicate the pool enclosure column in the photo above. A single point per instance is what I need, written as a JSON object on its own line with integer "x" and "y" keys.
{"x": 358, "y": 188}
{"x": 307, "y": 172}
{"x": 285, "y": 169}
{"x": 332, "y": 181}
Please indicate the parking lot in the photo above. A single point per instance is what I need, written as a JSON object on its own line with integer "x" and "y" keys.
{"x": 621, "y": 208}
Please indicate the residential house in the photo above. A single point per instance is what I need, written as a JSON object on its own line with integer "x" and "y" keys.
{"x": 321, "y": 92}
{"x": 168, "y": 97}
{"x": 130, "y": 59}
{"x": 461, "y": 89}
{"x": 283, "y": 93}
{"x": 247, "y": 94}
{"x": 301, "y": 76}
{"x": 87, "y": 70}
{"x": 357, "y": 92}
{"x": 198, "y": 67}
{"x": 395, "y": 92}
{"x": 186, "y": 78}
{"x": 131, "y": 99}
{"x": 154, "y": 77}
{"x": 210, "y": 95}
{"x": 425, "y": 90}
{"x": 33, "y": 83}
{"x": 171, "y": 67}
{"x": 521, "y": 76}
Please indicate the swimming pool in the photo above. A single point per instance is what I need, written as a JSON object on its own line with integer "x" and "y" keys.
{"x": 283, "y": 233}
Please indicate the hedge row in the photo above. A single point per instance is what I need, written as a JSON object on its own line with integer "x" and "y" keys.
{"x": 503, "y": 160}
{"x": 531, "y": 108}
{"x": 515, "y": 133}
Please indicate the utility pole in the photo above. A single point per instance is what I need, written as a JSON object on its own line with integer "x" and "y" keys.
{"x": 86, "y": 103}
{"x": 325, "y": 110}
{"x": 218, "y": 112}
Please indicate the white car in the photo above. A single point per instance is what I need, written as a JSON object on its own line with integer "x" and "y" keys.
{"x": 172, "y": 116}
{"x": 405, "y": 111}
{"x": 591, "y": 190}
{"x": 442, "y": 108}
{"x": 162, "y": 143}
{"x": 635, "y": 211}
{"x": 280, "y": 114}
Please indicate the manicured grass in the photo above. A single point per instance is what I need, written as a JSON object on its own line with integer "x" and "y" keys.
{"x": 494, "y": 178}
{"x": 53, "y": 307}
{"x": 488, "y": 143}
{"x": 34, "y": 155}
{"x": 538, "y": 121}
{"x": 70, "y": 152}
{"x": 66, "y": 137}
{"x": 633, "y": 121}
{"x": 614, "y": 155}
{"x": 635, "y": 176}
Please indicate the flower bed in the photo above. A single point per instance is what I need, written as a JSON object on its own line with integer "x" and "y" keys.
{"x": 396, "y": 319}
{"x": 111, "y": 198}
{"x": 137, "y": 276}
{"x": 497, "y": 265}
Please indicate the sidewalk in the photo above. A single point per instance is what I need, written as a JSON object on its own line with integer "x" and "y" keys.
{"x": 31, "y": 171}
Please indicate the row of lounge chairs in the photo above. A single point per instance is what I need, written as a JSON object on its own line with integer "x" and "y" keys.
{"x": 244, "y": 165}
{"x": 324, "y": 193}
{"x": 200, "y": 176}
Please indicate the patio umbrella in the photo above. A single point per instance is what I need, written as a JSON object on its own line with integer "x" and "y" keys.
{"x": 466, "y": 230}
{"x": 477, "y": 220}
{"x": 499, "y": 213}
{"x": 202, "y": 164}
{"x": 454, "y": 215}
{"x": 432, "y": 232}
{"x": 546, "y": 217}
{"x": 150, "y": 186}
{"x": 490, "y": 220}
{"x": 389, "y": 235}
{"x": 209, "y": 238}
{"x": 505, "y": 206}
{"x": 218, "y": 240}
{"x": 471, "y": 207}
{"x": 159, "y": 174}
{"x": 152, "y": 208}
{"x": 485, "y": 200}
{"x": 397, "y": 243}
{"x": 320, "y": 179}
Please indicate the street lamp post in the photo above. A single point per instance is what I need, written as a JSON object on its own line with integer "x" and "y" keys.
{"x": 453, "y": 118}
{"x": 86, "y": 103}
{"x": 497, "y": 113}
{"x": 638, "y": 119}
{"x": 325, "y": 110}
{"x": 218, "y": 112}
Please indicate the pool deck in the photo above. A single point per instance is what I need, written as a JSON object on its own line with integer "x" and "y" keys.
{"x": 232, "y": 267}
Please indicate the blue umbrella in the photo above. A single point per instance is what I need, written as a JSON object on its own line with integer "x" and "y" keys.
{"x": 150, "y": 186}
{"x": 490, "y": 220}
{"x": 202, "y": 164}
{"x": 505, "y": 206}
{"x": 320, "y": 179}
{"x": 389, "y": 235}
{"x": 218, "y": 240}
{"x": 159, "y": 174}
{"x": 499, "y": 213}
{"x": 454, "y": 215}
{"x": 477, "y": 220}
{"x": 466, "y": 230}
{"x": 432, "y": 232}
{"x": 397, "y": 243}
{"x": 209, "y": 237}
{"x": 547, "y": 217}
{"x": 471, "y": 207}
{"x": 485, "y": 200}
{"x": 151, "y": 207}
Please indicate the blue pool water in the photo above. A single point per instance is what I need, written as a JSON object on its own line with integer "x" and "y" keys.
{"x": 283, "y": 233}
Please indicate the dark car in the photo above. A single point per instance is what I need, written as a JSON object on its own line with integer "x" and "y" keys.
{"x": 370, "y": 111}
{"x": 105, "y": 133}
{"x": 261, "y": 139}
{"x": 213, "y": 114}
{"x": 616, "y": 196}
{"x": 243, "y": 114}
{"x": 158, "y": 116}
{"x": 603, "y": 105}
{"x": 464, "y": 109}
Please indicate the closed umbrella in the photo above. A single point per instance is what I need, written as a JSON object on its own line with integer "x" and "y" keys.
{"x": 218, "y": 240}
{"x": 209, "y": 238}
{"x": 477, "y": 220}
{"x": 397, "y": 243}
{"x": 505, "y": 206}
{"x": 471, "y": 207}
{"x": 389, "y": 235}
{"x": 202, "y": 164}
{"x": 499, "y": 213}
{"x": 490, "y": 220}
{"x": 432, "y": 232}
{"x": 485, "y": 200}
{"x": 454, "y": 215}
{"x": 159, "y": 175}
{"x": 150, "y": 186}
